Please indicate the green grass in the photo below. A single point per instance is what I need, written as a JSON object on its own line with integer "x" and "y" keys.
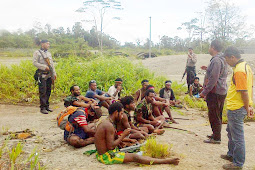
{"x": 195, "y": 103}
{"x": 14, "y": 157}
{"x": 18, "y": 85}
{"x": 155, "y": 150}
{"x": 14, "y": 154}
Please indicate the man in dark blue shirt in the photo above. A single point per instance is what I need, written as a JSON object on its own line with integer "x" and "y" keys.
{"x": 101, "y": 97}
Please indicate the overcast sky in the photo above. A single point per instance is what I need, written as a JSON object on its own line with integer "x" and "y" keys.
{"x": 166, "y": 15}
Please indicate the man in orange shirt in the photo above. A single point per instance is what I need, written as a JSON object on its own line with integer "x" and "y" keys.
{"x": 239, "y": 104}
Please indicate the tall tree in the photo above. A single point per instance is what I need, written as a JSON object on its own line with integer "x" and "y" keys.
{"x": 97, "y": 9}
{"x": 191, "y": 27}
{"x": 78, "y": 30}
{"x": 166, "y": 42}
{"x": 224, "y": 20}
{"x": 47, "y": 28}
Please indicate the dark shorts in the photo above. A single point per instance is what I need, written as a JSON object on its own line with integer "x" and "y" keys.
{"x": 80, "y": 133}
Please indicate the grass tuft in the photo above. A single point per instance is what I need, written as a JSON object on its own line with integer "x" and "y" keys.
{"x": 155, "y": 150}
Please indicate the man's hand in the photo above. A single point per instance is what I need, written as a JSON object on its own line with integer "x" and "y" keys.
{"x": 126, "y": 132}
{"x": 55, "y": 77}
{"x": 132, "y": 140}
{"x": 94, "y": 105}
{"x": 155, "y": 123}
{"x": 250, "y": 112}
{"x": 93, "y": 100}
{"x": 203, "y": 67}
{"x": 47, "y": 68}
{"x": 166, "y": 104}
{"x": 172, "y": 103}
{"x": 202, "y": 95}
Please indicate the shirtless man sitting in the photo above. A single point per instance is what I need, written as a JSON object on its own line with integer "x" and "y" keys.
{"x": 106, "y": 142}
{"x": 125, "y": 123}
{"x": 143, "y": 114}
{"x": 159, "y": 105}
{"x": 139, "y": 94}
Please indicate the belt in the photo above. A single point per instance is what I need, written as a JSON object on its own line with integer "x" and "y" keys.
{"x": 43, "y": 71}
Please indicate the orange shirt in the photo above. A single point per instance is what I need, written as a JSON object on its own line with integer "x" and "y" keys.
{"x": 242, "y": 80}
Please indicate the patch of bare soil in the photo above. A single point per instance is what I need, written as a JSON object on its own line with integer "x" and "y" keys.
{"x": 7, "y": 61}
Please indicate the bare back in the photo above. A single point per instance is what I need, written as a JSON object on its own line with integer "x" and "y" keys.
{"x": 103, "y": 131}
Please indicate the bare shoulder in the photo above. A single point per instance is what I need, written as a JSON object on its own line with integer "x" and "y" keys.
{"x": 105, "y": 125}
{"x": 125, "y": 118}
{"x": 138, "y": 91}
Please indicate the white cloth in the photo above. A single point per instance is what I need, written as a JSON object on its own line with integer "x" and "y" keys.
{"x": 113, "y": 90}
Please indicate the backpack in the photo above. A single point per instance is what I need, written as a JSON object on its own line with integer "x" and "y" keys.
{"x": 62, "y": 119}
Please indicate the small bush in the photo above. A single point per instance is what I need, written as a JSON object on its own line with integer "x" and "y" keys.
{"x": 155, "y": 150}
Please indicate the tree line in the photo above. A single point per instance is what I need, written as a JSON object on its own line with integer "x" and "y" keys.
{"x": 221, "y": 19}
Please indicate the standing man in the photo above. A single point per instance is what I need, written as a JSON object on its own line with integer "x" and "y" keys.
{"x": 46, "y": 74}
{"x": 239, "y": 104}
{"x": 215, "y": 90}
{"x": 191, "y": 67}
{"x": 115, "y": 90}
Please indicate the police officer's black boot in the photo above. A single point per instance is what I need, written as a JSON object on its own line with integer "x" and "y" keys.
{"x": 48, "y": 109}
{"x": 44, "y": 111}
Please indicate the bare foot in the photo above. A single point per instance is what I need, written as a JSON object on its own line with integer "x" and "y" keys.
{"x": 173, "y": 121}
{"x": 159, "y": 131}
{"x": 152, "y": 135}
{"x": 89, "y": 140}
{"x": 174, "y": 161}
{"x": 166, "y": 125}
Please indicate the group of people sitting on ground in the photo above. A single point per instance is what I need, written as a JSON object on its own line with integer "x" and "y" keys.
{"x": 118, "y": 130}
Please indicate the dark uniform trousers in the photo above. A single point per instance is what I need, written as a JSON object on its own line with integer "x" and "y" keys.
{"x": 191, "y": 74}
{"x": 44, "y": 91}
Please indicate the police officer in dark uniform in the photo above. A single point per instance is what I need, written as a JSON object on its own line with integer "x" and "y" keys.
{"x": 45, "y": 74}
{"x": 191, "y": 68}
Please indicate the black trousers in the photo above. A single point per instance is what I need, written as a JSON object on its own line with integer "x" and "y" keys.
{"x": 215, "y": 103}
{"x": 191, "y": 74}
{"x": 44, "y": 92}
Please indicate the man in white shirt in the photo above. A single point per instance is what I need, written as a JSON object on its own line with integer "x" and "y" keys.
{"x": 115, "y": 90}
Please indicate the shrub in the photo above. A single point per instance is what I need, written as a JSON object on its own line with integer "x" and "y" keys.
{"x": 18, "y": 85}
{"x": 155, "y": 150}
